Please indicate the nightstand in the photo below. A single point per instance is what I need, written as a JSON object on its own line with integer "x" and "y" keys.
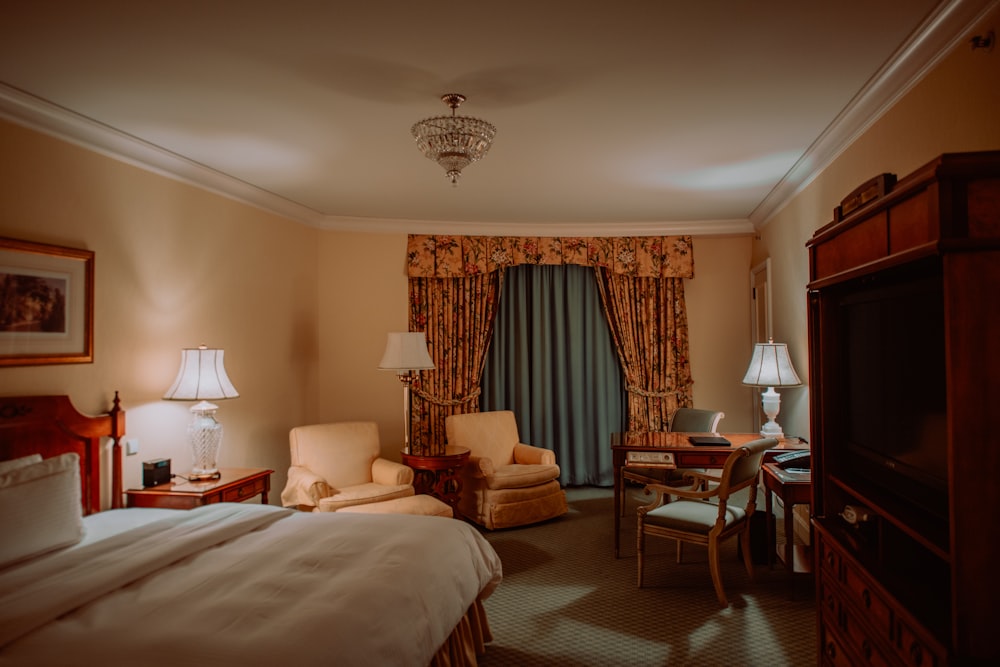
{"x": 437, "y": 475}
{"x": 235, "y": 485}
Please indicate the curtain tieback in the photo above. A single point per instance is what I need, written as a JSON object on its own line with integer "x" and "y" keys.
{"x": 430, "y": 398}
{"x": 632, "y": 389}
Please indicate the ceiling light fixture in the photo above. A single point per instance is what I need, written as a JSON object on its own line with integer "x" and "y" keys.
{"x": 454, "y": 142}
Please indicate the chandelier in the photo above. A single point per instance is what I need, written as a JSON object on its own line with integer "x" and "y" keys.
{"x": 454, "y": 142}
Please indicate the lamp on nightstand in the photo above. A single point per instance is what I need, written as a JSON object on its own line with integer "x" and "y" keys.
{"x": 771, "y": 367}
{"x": 405, "y": 353}
{"x": 202, "y": 377}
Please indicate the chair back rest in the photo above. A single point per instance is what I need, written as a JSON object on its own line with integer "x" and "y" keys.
{"x": 491, "y": 435}
{"x": 341, "y": 453}
{"x": 743, "y": 466}
{"x": 693, "y": 420}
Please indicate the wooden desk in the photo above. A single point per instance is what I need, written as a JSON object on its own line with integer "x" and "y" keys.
{"x": 235, "y": 485}
{"x": 437, "y": 475}
{"x": 674, "y": 450}
{"x": 794, "y": 488}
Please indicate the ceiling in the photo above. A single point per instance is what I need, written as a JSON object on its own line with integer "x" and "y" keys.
{"x": 616, "y": 118}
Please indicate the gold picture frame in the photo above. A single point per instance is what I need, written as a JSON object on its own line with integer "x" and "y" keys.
{"x": 46, "y": 304}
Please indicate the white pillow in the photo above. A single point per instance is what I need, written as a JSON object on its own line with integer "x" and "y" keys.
{"x": 40, "y": 508}
{"x": 14, "y": 464}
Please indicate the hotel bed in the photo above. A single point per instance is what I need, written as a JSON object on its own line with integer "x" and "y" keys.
{"x": 224, "y": 584}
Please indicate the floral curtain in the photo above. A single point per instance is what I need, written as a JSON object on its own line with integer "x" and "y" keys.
{"x": 648, "y": 319}
{"x": 454, "y": 287}
{"x": 457, "y": 315}
{"x": 639, "y": 256}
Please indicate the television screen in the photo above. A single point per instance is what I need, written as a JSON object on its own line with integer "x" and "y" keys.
{"x": 894, "y": 383}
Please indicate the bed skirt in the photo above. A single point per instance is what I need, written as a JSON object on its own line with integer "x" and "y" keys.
{"x": 466, "y": 641}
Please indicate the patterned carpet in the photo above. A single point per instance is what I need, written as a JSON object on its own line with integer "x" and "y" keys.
{"x": 565, "y": 600}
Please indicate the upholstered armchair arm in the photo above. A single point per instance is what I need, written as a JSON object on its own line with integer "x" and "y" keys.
{"x": 481, "y": 466}
{"x": 530, "y": 454}
{"x": 391, "y": 473}
{"x": 304, "y": 487}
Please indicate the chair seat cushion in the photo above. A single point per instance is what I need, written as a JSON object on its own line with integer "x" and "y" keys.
{"x": 520, "y": 475}
{"x": 363, "y": 493}
{"x": 422, "y": 504}
{"x": 695, "y": 516}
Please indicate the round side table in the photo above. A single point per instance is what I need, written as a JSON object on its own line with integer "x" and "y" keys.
{"x": 437, "y": 475}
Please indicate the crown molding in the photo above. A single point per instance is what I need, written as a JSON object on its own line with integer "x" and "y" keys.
{"x": 942, "y": 30}
{"x": 739, "y": 227}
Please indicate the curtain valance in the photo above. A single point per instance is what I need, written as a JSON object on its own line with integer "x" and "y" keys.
{"x": 440, "y": 256}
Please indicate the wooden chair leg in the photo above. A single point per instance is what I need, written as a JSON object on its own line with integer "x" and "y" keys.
{"x": 713, "y": 564}
{"x": 744, "y": 538}
{"x": 640, "y": 543}
{"x": 680, "y": 550}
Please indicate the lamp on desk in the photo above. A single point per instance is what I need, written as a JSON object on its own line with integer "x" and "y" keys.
{"x": 771, "y": 367}
{"x": 202, "y": 377}
{"x": 405, "y": 353}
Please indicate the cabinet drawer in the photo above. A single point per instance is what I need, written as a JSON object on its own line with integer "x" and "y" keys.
{"x": 829, "y": 559}
{"x": 700, "y": 460}
{"x": 874, "y": 610}
{"x": 864, "y": 644}
{"x": 834, "y": 652}
{"x": 243, "y": 492}
{"x": 917, "y": 652}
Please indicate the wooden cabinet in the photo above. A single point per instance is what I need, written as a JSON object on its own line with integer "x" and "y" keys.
{"x": 904, "y": 355}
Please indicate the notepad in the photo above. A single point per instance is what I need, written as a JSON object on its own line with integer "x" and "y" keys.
{"x": 709, "y": 441}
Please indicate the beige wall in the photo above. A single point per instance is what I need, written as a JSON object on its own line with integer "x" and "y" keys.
{"x": 955, "y": 108}
{"x": 175, "y": 267}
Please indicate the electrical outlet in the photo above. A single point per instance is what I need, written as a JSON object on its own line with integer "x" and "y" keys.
{"x": 131, "y": 447}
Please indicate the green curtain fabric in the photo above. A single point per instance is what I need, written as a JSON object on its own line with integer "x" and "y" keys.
{"x": 552, "y": 362}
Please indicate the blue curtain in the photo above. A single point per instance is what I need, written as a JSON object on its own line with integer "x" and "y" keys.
{"x": 552, "y": 362}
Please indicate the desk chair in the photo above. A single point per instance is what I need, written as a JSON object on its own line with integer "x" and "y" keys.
{"x": 701, "y": 513}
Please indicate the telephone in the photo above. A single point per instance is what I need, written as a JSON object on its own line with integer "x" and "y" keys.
{"x": 800, "y": 458}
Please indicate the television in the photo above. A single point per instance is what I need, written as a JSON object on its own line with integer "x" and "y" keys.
{"x": 892, "y": 381}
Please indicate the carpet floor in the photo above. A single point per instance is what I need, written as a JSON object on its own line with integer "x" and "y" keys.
{"x": 566, "y": 600}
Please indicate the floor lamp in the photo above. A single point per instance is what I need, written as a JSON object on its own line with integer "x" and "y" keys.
{"x": 405, "y": 353}
{"x": 771, "y": 367}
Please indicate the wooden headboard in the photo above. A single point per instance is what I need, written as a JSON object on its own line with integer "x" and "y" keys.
{"x": 50, "y": 425}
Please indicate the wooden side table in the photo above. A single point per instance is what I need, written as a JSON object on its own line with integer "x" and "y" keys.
{"x": 794, "y": 488}
{"x": 235, "y": 485}
{"x": 437, "y": 475}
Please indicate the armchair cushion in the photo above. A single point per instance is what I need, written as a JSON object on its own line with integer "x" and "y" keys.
{"x": 363, "y": 493}
{"x": 517, "y": 476}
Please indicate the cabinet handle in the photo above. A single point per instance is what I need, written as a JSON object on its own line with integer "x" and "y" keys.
{"x": 829, "y": 559}
{"x": 916, "y": 654}
{"x": 830, "y": 601}
{"x": 831, "y": 651}
{"x": 867, "y": 598}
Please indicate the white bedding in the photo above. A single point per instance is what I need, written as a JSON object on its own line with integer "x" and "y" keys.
{"x": 236, "y": 584}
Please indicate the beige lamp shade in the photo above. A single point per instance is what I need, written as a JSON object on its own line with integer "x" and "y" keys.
{"x": 202, "y": 376}
{"x": 770, "y": 366}
{"x": 406, "y": 352}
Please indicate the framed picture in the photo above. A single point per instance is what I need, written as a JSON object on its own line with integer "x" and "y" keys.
{"x": 46, "y": 304}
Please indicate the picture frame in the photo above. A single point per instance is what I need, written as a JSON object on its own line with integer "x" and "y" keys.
{"x": 46, "y": 304}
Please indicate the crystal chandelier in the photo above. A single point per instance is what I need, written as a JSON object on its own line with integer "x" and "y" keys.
{"x": 454, "y": 142}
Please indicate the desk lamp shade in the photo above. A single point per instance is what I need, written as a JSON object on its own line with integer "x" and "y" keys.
{"x": 202, "y": 377}
{"x": 770, "y": 366}
{"x": 405, "y": 353}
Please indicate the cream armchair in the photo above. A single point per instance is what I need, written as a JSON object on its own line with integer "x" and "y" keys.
{"x": 505, "y": 482}
{"x": 338, "y": 465}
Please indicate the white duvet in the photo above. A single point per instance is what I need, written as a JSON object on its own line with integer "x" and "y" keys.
{"x": 236, "y": 584}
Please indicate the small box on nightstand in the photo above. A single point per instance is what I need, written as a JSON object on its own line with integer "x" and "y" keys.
{"x": 155, "y": 472}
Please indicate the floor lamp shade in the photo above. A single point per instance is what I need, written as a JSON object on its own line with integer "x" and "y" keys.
{"x": 770, "y": 366}
{"x": 202, "y": 377}
{"x": 406, "y": 352}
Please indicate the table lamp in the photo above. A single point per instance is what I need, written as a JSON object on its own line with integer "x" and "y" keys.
{"x": 405, "y": 353}
{"x": 771, "y": 367}
{"x": 202, "y": 377}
